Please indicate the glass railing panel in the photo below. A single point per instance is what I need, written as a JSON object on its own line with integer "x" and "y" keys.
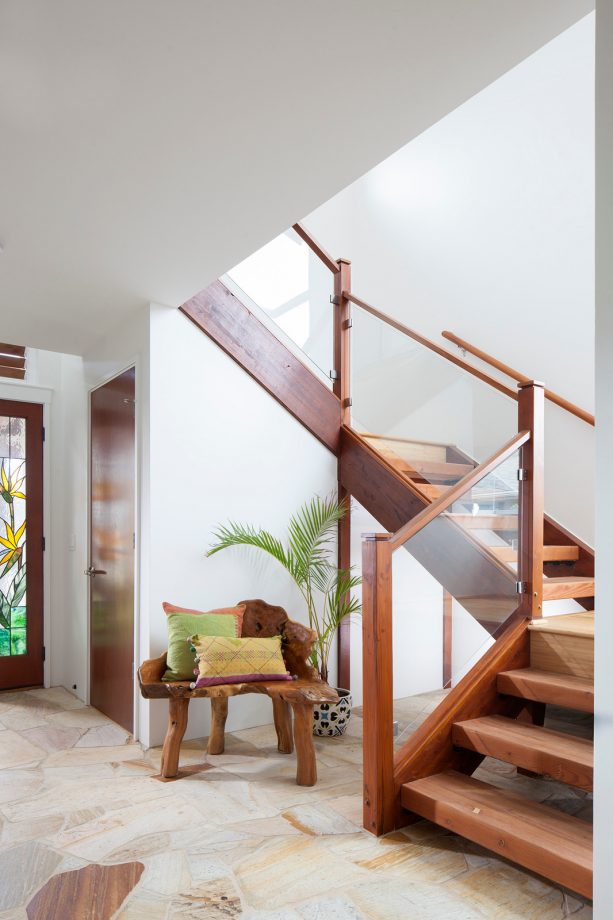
{"x": 570, "y": 461}
{"x": 431, "y": 419}
{"x": 289, "y": 287}
{"x": 454, "y": 587}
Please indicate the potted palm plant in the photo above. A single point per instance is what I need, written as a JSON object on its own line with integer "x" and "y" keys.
{"x": 326, "y": 589}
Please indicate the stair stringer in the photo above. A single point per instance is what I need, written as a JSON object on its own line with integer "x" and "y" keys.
{"x": 222, "y": 316}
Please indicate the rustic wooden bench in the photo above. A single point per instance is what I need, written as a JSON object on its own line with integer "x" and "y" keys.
{"x": 299, "y": 695}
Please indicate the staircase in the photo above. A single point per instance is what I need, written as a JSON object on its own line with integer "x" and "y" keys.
{"x": 538, "y": 837}
{"x": 492, "y": 548}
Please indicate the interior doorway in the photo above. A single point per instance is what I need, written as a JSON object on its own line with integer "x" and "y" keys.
{"x": 21, "y": 545}
{"x": 112, "y": 547}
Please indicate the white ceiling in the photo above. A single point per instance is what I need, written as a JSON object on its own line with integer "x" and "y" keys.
{"x": 146, "y": 146}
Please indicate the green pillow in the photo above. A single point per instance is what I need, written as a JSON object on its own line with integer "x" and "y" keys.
{"x": 180, "y": 661}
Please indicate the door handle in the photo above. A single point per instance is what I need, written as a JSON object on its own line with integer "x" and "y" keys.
{"x": 92, "y": 572}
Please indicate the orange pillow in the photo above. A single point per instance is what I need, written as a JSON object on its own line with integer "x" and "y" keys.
{"x": 238, "y": 612}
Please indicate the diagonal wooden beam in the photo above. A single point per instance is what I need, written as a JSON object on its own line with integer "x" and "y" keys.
{"x": 220, "y": 314}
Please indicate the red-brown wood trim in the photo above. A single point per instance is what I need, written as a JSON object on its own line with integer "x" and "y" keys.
{"x": 430, "y": 748}
{"x": 344, "y": 562}
{"x": 518, "y": 376}
{"x": 218, "y": 313}
{"x": 342, "y": 339}
{"x": 15, "y": 373}
{"x": 10, "y": 361}
{"x": 316, "y": 247}
{"x": 6, "y": 349}
{"x": 342, "y": 384}
{"x": 28, "y": 670}
{"x": 427, "y": 343}
{"x": 377, "y": 664}
{"x": 531, "y": 416}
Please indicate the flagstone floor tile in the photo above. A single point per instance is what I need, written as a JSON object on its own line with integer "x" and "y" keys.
{"x": 239, "y": 839}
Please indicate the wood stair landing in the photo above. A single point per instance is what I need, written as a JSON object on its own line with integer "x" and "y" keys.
{"x": 547, "y": 841}
{"x": 548, "y": 687}
{"x": 556, "y": 755}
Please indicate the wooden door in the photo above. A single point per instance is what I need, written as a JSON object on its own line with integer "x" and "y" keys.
{"x": 21, "y": 545}
{"x": 111, "y": 569}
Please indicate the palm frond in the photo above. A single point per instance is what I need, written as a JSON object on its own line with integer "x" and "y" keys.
{"x": 234, "y": 534}
{"x": 341, "y": 603}
{"x": 307, "y": 558}
{"x": 312, "y": 530}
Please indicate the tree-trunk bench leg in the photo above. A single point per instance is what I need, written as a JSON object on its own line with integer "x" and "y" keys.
{"x": 219, "y": 714}
{"x": 177, "y": 723}
{"x": 306, "y": 766}
{"x": 283, "y": 723}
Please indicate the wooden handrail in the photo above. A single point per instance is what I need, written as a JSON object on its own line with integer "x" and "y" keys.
{"x": 448, "y": 498}
{"x": 317, "y": 248}
{"x": 442, "y": 352}
{"x": 518, "y": 376}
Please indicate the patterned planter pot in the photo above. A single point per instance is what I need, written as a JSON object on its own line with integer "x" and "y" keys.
{"x": 331, "y": 719}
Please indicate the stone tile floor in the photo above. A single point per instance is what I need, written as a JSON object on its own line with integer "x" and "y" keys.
{"x": 239, "y": 839}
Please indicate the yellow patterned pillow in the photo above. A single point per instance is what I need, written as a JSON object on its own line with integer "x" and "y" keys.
{"x": 225, "y": 660}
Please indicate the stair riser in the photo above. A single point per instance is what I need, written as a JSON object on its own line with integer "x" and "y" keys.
{"x": 554, "y": 767}
{"x": 562, "y": 654}
{"x": 553, "y": 591}
{"x": 525, "y": 852}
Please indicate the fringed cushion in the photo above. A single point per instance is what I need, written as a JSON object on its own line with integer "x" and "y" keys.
{"x": 225, "y": 660}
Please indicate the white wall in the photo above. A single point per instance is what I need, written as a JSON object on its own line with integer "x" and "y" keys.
{"x": 484, "y": 225}
{"x": 220, "y": 448}
{"x": 603, "y": 791}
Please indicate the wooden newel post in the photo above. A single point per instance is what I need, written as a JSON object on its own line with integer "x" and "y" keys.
{"x": 532, "y": 497}
{"x": 342, "y": 341}
{"x": 342, "y": 389}
{"x": 379, "y": 795}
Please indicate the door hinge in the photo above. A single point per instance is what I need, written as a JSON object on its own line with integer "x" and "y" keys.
{"x": 334, "y": 375}
{"x": 349, "y": 323}
{"x": 521, "y": 587}
{"x": 44, "y": 434}
{"x": 348, "y": 402}
{"x": 522, "y": 475}
{"x": 44, "y": 653}
{"x": 335, "y": 299}
{"x": 43, "y": 544}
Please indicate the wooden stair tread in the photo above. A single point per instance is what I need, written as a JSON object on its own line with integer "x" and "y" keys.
{"x": 436, "y": 471}
{"x": 547, "y": 687}
{"x": 550, "y": 842}
{"x": 567, "y": 587}
{"x": 432, "y": 492}
{"x": 562, "y": 757}
{"x": 485, "y": 521}
{"x": 550, "y": 553}
{"x": 566, "y": 624}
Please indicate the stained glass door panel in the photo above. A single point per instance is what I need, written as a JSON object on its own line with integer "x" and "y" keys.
{"x": 21, "y": 559}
